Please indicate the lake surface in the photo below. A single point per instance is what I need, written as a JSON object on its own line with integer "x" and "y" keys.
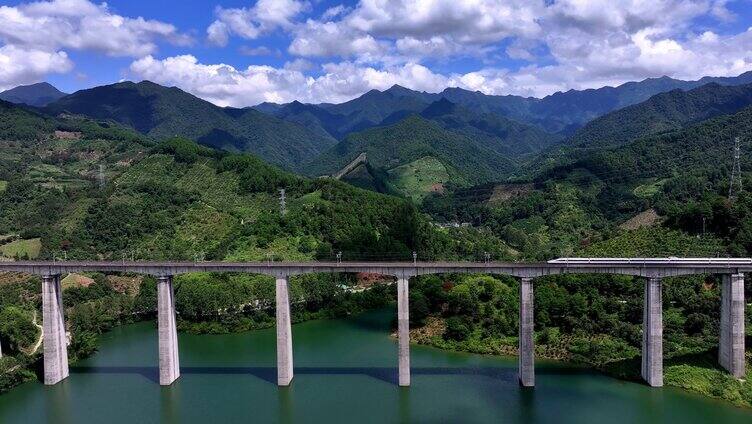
{"x": 345, "y": 371}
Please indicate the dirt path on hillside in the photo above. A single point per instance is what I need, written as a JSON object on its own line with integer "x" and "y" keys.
{"x": 41, "y": 335}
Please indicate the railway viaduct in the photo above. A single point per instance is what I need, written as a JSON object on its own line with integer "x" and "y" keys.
{"x": 651, "y": 270}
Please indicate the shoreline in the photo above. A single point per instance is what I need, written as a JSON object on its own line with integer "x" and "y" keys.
{"x": 613, "y": 369}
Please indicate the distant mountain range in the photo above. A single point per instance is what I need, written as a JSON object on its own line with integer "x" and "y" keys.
{"x": 562, "y": 112}
{"x": 40, "y": 94}
{"x": 453, "y": 138}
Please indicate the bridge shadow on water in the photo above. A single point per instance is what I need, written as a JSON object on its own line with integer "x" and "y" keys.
{"x": 386, "y": 374}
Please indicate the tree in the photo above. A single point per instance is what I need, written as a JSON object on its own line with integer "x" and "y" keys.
{"x": 16, "y": 329}
{"x": 456, "y": 329}
{"x": 418, "y": 309}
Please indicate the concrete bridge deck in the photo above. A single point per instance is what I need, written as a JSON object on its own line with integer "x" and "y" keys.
{"x": 641, "y": 267}
{"x": 652, "y": 270}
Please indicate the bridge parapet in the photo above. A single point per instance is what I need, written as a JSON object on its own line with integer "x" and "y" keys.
{"x": 639, "y": 267}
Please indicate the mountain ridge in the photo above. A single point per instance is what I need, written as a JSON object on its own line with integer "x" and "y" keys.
{"x": 561, "y": 112}
{"x": 39, "y": 94}
{"x": 162, "y": 112}
{"x": 667, "y": 111}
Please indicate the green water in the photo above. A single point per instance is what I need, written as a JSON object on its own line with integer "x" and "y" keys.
{"x": 344, "y": 372}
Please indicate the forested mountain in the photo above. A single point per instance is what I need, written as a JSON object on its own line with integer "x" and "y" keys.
{"x": 566, "y": 111}
{"x": 572, "y": 109}
{"x": 98, "y": 190}
{"x": 661, "y": 113}
{"x": 679, "y": 169}
{"x": 165, "y": 112}
{"x": 443, "y": 147}
{"x": 417, "y": 156}
{"x": 39, "y": 94}
{"x": 373, "y": 106}
{"x": 562, "y": 112}
{"x": 502, "y": 135}
{"x": 315, "y": 118}
{"x": 366, "y": 111}
{"x": 675, "y": 181}
{"x": 288, "y": 135}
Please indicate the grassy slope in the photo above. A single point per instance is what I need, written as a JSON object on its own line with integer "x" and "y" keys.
{"x": 418, "y": 178}
{"x": 22, "y": 249}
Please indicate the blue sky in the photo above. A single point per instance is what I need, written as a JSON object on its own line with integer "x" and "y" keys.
{"x": 241, "y": 53}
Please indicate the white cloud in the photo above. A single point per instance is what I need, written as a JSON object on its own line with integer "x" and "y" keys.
{"x": 613, "y": 63}
{"x": 335, "y": 11}
{"x": 34, "y": 37}
{"x": 19, "y": 66}
{"x": 436, "y": 46}
{"x": 258, "y": 51}
{"x": 222, "y": 84}
{"x": 464, "y": 21}
{"x": 567, "y": 43}
{"x": 250, "y": 23}
{"x": 603, "y": 16}
{"x": 415, "y": 28}
{"x": 625, "y": 59}
{"x": 598, "y": 42}
{"x": 226, "y": 85}
{"x": 300, "y": 65}
{"x": 317, "y": 38}
{"x": 377, "y": 43}
{"x": 82, "y": 25}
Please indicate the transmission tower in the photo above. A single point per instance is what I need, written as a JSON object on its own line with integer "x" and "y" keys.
{"x": 735, "y": 187}
{"x": 101, "y": 177}
{"x": 282, "y": 205}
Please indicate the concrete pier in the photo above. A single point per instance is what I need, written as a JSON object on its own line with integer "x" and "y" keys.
{"x": 53, "y": 324}
{"x": 403, "y": 330}
{"x": 526, "y": 345}
{"x": 284, "y": 333}
{"x": 731, "y": 349}
{"x": 652, "y": 333}
{"x": 169, "y": 362}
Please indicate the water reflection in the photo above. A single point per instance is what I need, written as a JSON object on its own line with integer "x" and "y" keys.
{"x": 284, "y": 405}
{"x": 656, "y": 403}
{"x": 169, "y": 403}
{"x": 58, "y": 402}
{"x": 527, "y": 405}
{"x": 404, "y": 405}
